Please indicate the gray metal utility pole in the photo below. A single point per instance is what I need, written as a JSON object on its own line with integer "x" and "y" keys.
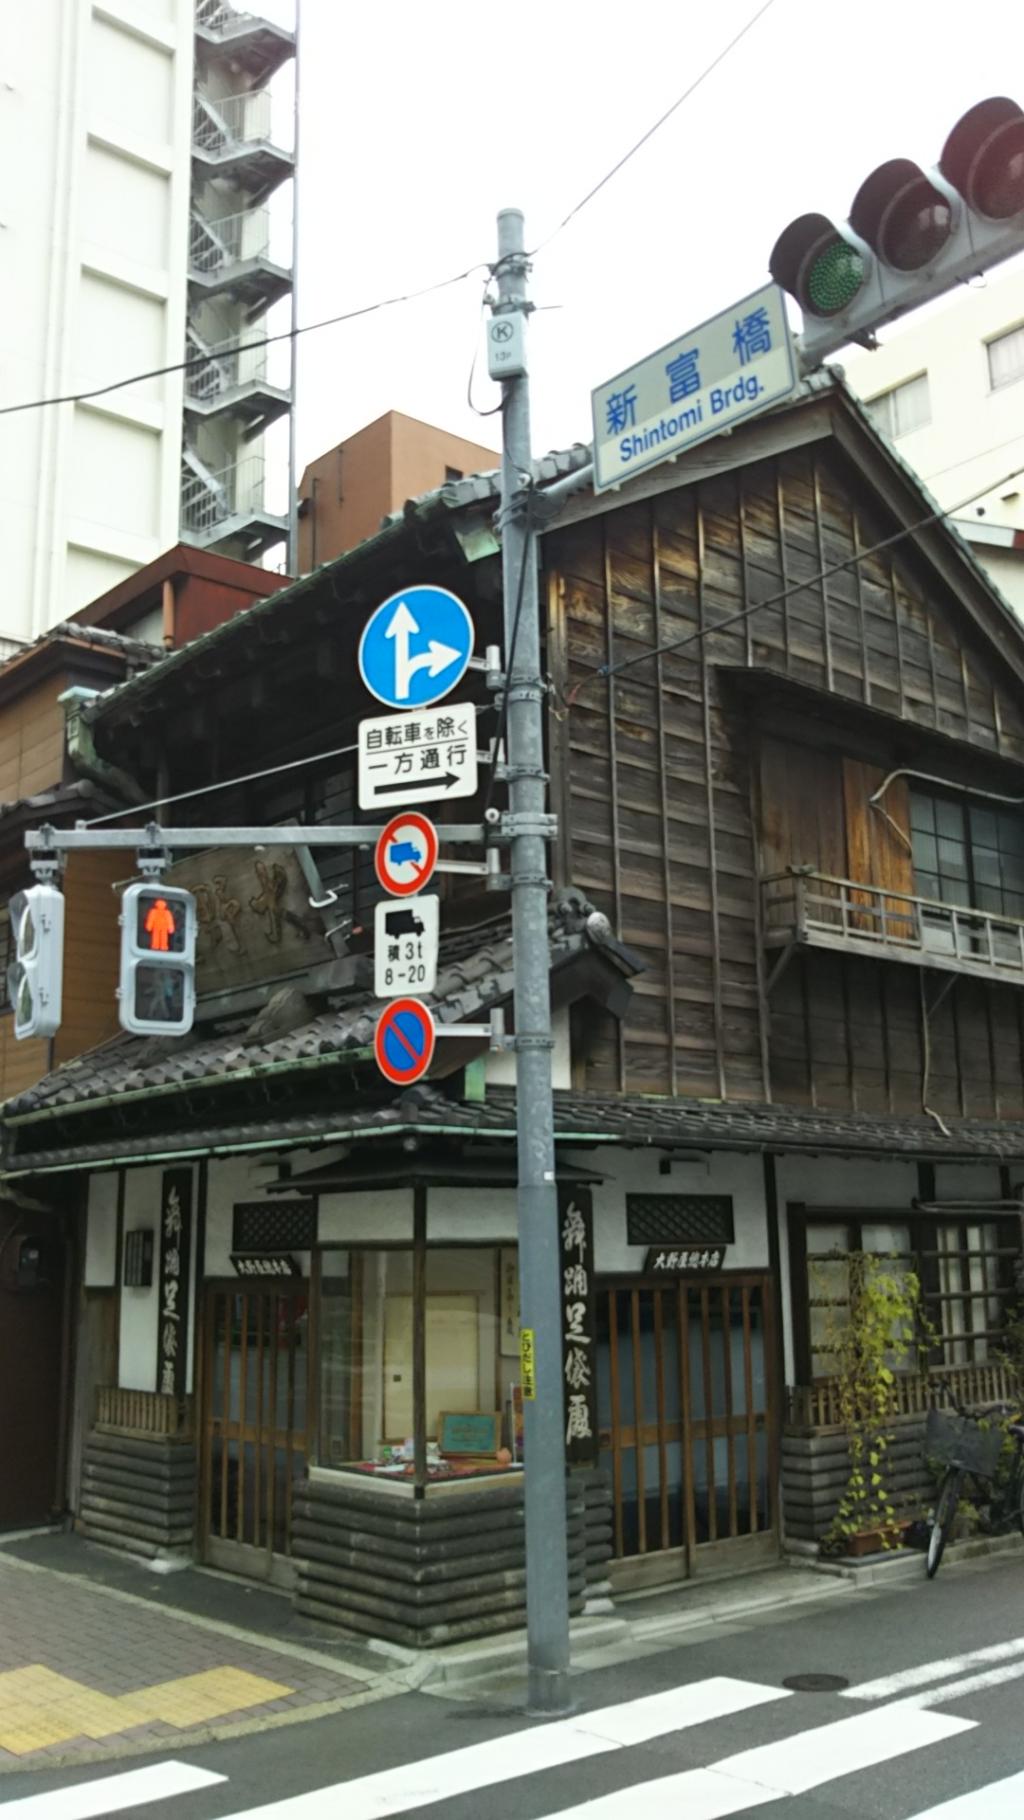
{"x": 547, "y": 1589}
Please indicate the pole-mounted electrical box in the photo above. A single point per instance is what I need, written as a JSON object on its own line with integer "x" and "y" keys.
{"x": 506, "y": 345}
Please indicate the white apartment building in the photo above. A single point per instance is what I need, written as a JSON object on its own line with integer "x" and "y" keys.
{"x": 138, "y": 151}
{"x": 947, "y": 387}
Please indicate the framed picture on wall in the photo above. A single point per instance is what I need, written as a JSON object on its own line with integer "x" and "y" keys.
{"x": 508, "y": 1272}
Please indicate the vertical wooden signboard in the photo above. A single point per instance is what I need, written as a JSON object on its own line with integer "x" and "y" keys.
{"x": 172, "y": 1311}
{"x": 576, "y": 1246}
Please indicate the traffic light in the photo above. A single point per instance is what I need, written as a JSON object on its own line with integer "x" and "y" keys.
{"x": 35, "y": 976}
{"x": 911, "y": 235}
{"x": 158, "y": 959}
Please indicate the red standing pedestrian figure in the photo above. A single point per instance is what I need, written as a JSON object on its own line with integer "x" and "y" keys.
{"x": 159, "y": 926}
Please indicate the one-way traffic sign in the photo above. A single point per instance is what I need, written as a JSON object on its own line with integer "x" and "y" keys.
{"x": 417, "y": 758}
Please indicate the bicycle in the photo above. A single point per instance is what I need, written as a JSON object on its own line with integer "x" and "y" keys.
{"x": 972, "y": 1451}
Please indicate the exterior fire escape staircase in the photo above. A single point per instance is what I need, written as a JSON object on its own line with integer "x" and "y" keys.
{"x": 231, "y": 138}
{"x": 234, "y": 380}
{"x": 233, "y": 280}
{"x": 256, "y": 46}
{"x": 225, "y": 506}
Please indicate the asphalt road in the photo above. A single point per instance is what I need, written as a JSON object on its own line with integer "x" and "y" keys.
{"x": 699, "y": 1731}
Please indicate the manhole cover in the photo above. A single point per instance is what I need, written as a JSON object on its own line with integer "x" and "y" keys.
{"x": 816, "y": 1684}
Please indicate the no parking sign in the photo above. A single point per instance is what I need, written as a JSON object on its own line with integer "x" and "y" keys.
{"x": 403, "y": 1041}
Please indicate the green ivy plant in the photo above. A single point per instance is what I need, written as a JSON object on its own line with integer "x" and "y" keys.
{"x": 868, "y": 1340}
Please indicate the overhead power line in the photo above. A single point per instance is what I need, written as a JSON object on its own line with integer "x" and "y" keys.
{"x": 383, "y": 303}
{"x": 233, "y": 783}
{"x": 660, "y": 122}
{"x": 264, "y": 341}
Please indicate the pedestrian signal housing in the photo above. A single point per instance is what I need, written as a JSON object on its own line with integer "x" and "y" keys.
{"x": 911, "y": 235}
{"x": 35, "y": 976}
{"x": 158, "y": 957}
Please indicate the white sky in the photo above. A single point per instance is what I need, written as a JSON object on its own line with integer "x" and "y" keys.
{"x": 419, "y": 121}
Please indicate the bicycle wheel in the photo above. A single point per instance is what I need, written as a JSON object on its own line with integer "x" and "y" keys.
{"x": 945, "y": 1516}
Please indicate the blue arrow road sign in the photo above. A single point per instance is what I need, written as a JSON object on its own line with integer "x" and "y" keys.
{"x": 416, "y": 647}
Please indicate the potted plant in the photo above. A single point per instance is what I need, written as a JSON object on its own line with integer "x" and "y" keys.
{"x": 869, "y": 1338}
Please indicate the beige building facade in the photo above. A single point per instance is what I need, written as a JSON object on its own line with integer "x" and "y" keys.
{"x": 947, "y": 388}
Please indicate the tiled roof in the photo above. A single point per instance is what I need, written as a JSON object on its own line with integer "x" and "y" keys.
{"x": 475, "y": 972}
{"x": 63, "y": 799}
{"x": 580, "y": 1119}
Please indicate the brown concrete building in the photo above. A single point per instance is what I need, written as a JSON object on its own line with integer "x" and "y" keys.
{"x": 344, "y": 494}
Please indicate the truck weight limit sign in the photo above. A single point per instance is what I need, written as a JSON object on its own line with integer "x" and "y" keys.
{"x": 405, "y": 939}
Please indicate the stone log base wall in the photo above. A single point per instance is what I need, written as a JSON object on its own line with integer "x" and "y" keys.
{"x": 138, "y": 1494}
{"x": 816, "y": 1466}
{"x": 438, "y": 1569}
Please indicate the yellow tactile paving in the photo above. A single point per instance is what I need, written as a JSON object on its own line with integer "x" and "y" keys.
{"x": 39, "y": 1708}
{"x": 196, "y": 1698}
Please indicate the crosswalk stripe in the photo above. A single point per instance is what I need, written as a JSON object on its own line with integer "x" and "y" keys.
{"x": 113, "y": 1794}
{"x": 999, "y": 1801}
{"x": 790, "y": 1766}
{"x": 959, "y": 1690}
{"x": 525, "y": 1753}
{"x": 887, "y": 1686}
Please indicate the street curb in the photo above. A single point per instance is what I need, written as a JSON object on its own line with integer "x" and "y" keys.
{"x": 462, "y": 1662}
{"x": 909, "y": 1564}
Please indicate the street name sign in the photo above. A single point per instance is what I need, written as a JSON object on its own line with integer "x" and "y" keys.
{"x": 406, "y": 854}
{"x": 403, "y": 1041}
{"x": 416, "y": 646}
{"x": 405, "y": 939}
{"x": 417, "y": 758}
{"x": 710, "y": 379}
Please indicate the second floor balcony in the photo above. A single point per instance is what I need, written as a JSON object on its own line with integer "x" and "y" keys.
{"x": 805, "y": 907}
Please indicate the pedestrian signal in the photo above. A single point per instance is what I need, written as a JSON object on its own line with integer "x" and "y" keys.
{"x": 158, "y": 953}
{"x": 35, "y": 976}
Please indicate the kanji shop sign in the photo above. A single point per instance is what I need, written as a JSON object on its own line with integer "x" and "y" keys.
{"x": 265, "y": 1264}
{"x": 172, "y": 1307}
{"x": 406, "y": 759}
{"x": 699, "y": 1260}
{"x": 576, "y": 1246}
{"x": 253, "y": 916}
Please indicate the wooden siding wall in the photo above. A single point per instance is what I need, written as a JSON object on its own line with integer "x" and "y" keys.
{"x": 32, "y": 741}
{"x": 815, "y": 810}
{"x": 654, "y": 776}
{"x": 92, "y": 949}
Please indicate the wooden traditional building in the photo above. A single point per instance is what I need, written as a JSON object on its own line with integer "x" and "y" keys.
{"x": 786, "y": 745}
{"x": 50, "y": 770}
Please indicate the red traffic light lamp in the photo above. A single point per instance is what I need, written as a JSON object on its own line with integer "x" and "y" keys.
{"x": 911, "y": 235}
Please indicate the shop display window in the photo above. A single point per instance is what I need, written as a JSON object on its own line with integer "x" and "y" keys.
{"x": 367, "y": 1338}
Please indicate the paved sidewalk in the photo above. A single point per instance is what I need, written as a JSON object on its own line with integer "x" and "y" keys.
{"x": 102, "y": 1658}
